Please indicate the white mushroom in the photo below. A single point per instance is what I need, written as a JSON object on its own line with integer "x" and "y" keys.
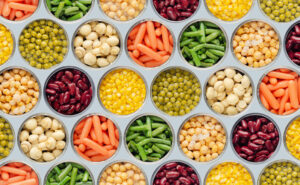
{"x": 46, "y": 122}
{"x": 60, "y": 145}
{"x": 38, "y": 130}
{"x": 42, "y": 138}
{"x": 114, "y": 50}
{"x": 92, "y": 36}
{"x": 33, "y": 139}
{"x": 79, "y": 52}
{"x": 56, "y": 152}
{"x": 232, "y": 99}
{"x": 47, "y": 156}
{"x": 111, "y": 58}
{"x": 100, "y": 28}
{"x": 31, "y": 124}
{"x": 35, "y": 153}
{"x": 85, "y": 29}
{"x": 87, "y": 44}
{"x": 26, "y": 146}
{"x": 55, "y": 124}
{"x": 218, "y": 107}
{"x": 102, "y": 62}
{"x": 78, "y": 41}
{"x": 51, "y": 143}
{"x": 58, "y": 135}
{"x": 89, "y": 59}
{"x": 112, "y": 40}
{"x": 228, "y": 83}
{"x": 24, "y": 135}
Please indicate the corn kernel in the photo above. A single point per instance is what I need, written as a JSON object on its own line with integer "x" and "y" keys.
{"x": 293, "y": 138}
{"x": 6, "y": 44}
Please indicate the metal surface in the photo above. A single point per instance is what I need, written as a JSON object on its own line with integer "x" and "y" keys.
{"x": 149, "y": 74}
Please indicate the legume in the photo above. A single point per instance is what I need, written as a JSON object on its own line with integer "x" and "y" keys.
{"x": 69, "y": 10}
{"x": 6, "y": 138}
{"x": 69, "y": 173}
{"x": 150, "y": 44}
{"x": 228, "y": 173}
{"x": 6, "y": 44}
{"x": 97, "y": 44}
{"x": 284, "y": 172}
{"x": 43, "y": 44}
{"x": 176, "y": 10}
{"x": 292, "y": 138}
{"x": 96, "y": 138}
{"x": 42, "y": 138}
{"x": 255, "y": 138}
{"x": 256, "y": 44}
{"x": 176, "y": 91}
{"x": 122, "y": 172}
{"x": 176, "y": 173}
{"x": 18, "y": 173}
{"x": 281, "y": 10}
{"x": 292, "y": 44}
{"x": 69, "y": 91}
{"x": 122, "y": 10}
{"x": 230, "y": 10}
{"x": 122, "y": 91}
{"x": 19, "y": 91}
{"x": 229, "y": 91}
{"x": 279, "y": 91}
{"x": 149, "y": 138}
{"x": 202, "y": 44}
{"x": 202, "y": 138}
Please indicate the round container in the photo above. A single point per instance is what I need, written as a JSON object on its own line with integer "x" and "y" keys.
{"x": 40, "y": 64}
{"x": 219, "y": 154}
{"x": 113, "y": 70}
{"x": 220, "y": 60}
{"x": 137, "y": 61}
{"x": 87, "y": 116}
{"x": 13, "y": 44}
{"x": 287, "y": 129}
{"x": 62, "y": 69}
{"x": 237, "y": 70}
{"x": 182, "y": 69}
{"x": 273, "y": 153}
{"x": 287, "y": 34}
{"x": 166, "y": 122}
{"x": 52, "y": 117}
{"x": 99, "y": 21}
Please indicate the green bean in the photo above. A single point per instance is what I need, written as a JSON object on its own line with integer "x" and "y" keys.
{"x": 142, "y": 153}
{"x": 209, "y": 24}
{"x": 71, "y": 9}
{"x": 139, "y": 138}
{"x": 64, "y": 180}
{"x": 195, "y": 57}
{"x": 158, "y": 150}
{"x": 84, "y": 183}
{"x": 156, "y": 140}
{"x": 209, "y": 60}
{"x": 59, "y": 9}
{"x": 212, "y": 46}
{"x": 158, "y": 131}
{"x": 156, "y": 125}
{"x": 162, "y": 136}
{"x": 155, "y": 118}
{"x": 153, "y": 158}
{"x": 138, "y": 128}
{"x": 48, "y": 2}
{"x": 148, "y": 127}
{"x": 64, "y": 172}
{"x": 186, "y": 42}
{"x": 163, "y": 147}
{"x": 193, "y": 34}
{"x": 156, "y": 155}
{"x": 211, "y": 55}
{"x": 73, "y": 176}
{"x": 81, "y": 6}
{"x": 144, "y": 141}
{"x": 53, "y": 183}
{"x": 212, "y": 36}
{"x": 79, "y": 177}
{"x": 85, "y": 176}
{"x": 75, "y": 165}
{"x": 75, "y": 17}
{"x": 57, "y": 170}
{"x": 87, "y": 2}
{"x": 203, "y": 31}
{"x": 216, "y": 52}
{"x": 132, "y": 136}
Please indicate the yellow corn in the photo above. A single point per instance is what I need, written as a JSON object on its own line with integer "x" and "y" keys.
{"x": 6, "y": 44}
{"x": 122, "y": 91}
{"x": 229, "y": 10}
{"x": 228, "y": 173}
{"x": 293, "y": 138}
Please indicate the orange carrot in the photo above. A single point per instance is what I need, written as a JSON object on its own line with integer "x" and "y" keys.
{"x": 31, "y": 181}
{"x": 170, "y": 49}
{"x": 15, "y": 179}
{"x": 265, "y": 79}
{"x": 135, "y": 59}
{"x": 102, "y": 118}
{"x": 131, "y": 47}
{"x": 273, "y": 81}
{"x": 269, "y": 96}
{"x": 33, "y": 175}
{"x": 140, "y": 35}
{"x": 153, "y": 63}
{"x": 145, "y": 58}
{"x": 15, "y": 1}
{"x": 287, "y": 106}
{"x": 95, "y": 146}
{"x": 133, "y": 32}
{"x": 171, "y": 39}
{"x": 1, "y": 6}
{"x": 149, "y": 52}
{"x": 117, "y": 133}
{"x": 162, "y": 53}
{"x": 274, "y": 111}
{"x": 108, "y": 147}
{"x": 298, "y": 83}
{"x": 81, "y": 147}
{"x": 80, "y": 125}
{"x": 281, "y": 75}
{"x": 289, "y": 112}
{"x": 77, "y": 142}
{"x": 20, "y": 6}
{"x": 160, "y": 44}
{"x": 26, "y": 168}
{"x": 12, "y": 14}
{"x": 81, "y": 154}
{"x": 97, "y": 129}
{"x": 284, "y": 70}
{"x": 279, "y": 85}
{"x": 106, "y": 139}
{"x": 278, "y": 93}
{"x": 294, "y": 74}
{"x": 4, "y": 176}
{"x": 87, "y": 127}
{"x": 97, "y": 158}
{"x": 151, "y": 34}
{"x": 91, "y": 152}
{"x": 158, "y": 32}
{"x": 19, "y": 14}
{"x": 165, "y": 37}
{"x": 283, "y": 101}
{"x": 264, "y": 101}
{"x": 35, "y": 2}
{"x": 293, "y": 94}
{"x": 6, "y": 9}
{"x": 104, "y": 126}
{"x": 136, "y": 53}
{"x": 27, "y": 175}
{"x": 24, "y": 17}
{"x": 28, "y": 1}
{"x": 93, "y": 135}
{"x": 18, "y": 164}
{"x": 13, "y": 170}
{"x": 147, "y": 41}
{"x": 111, "y": 132}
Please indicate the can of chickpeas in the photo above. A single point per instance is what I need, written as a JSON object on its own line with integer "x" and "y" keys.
{"x": 149, "y": 92}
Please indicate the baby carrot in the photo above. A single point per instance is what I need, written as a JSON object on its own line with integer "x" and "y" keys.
{"x": 81, "y": 154}
{"x": 6, "y": 9}
{"x": 284, "y": 70}
{"x": 131, "y": 47}
{"x": 24, "y": 17}
{"x": 111, "y": 132}
{"x": 13, "y": 170}
{"x": 269, "y": 96}
{"x": 165, "y": 37}
{"x": 158, "y": 32}
{"x": 25, "y": 7}
{"x": 117, "y": 134}
{"x": 31, "y": 181}
{"x": 106, "y": 139}
{"x": 264, "y": 101}
{"x": 93, "y": 135}
{"x": 80, "y": 125}
{"x": 18, "y": 164}
{"x": 1, "y": 6}
{"x": 15, "y": 179}
{"x": 149, "y": 52}
{"x": 12, "y": 14}
{"x": 19, "y": 14}
{"x": 294, "y": 74}
{"x": 33, "y": 175}
{"x": 273, "y": 81}
{"x": 171, "y": 39}
{"x": 81, "y": 147}
{"x": 27, "y": 175}
{"x": 147, "y": 40}
{"x": 145, "y": 58}
{"x": 278, "y": 93}
{"x": 134, "y": 31}
{"x": 4, "y": 176}
{"x": 102, "y": 118}
{"x": 293, "y": 94}
{"x": 136, "y": 53}
{"x": 91, "y": 152}
{"x": 97, "y": 128}
{"x": 95, "y": 146}
{"x": 160, "y": 44}
{"x": 151, "y": 34}
{"x": 281, "y": 75}
{"x": 279, "y": 85}
{"x": 290, "y": 112}
{"x": 35, "y": 2}
{"x": 109, "y": 147}
{"x": 87, "y": 127}
{"x": 283, "y": 101}
{"x": 287, "y": 106}
{"x": 26, "y": 168}
{"x": 135, "y": 59}
{"x": 140, "y": 35}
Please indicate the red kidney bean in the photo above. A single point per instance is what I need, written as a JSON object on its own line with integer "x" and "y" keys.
{"x": 254, "y": 138}
{"x": 176, "y": 173}
{"x": 292, "y": 44}
{"x": 65, "y": 90}
{"x": 176, "y": 10}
